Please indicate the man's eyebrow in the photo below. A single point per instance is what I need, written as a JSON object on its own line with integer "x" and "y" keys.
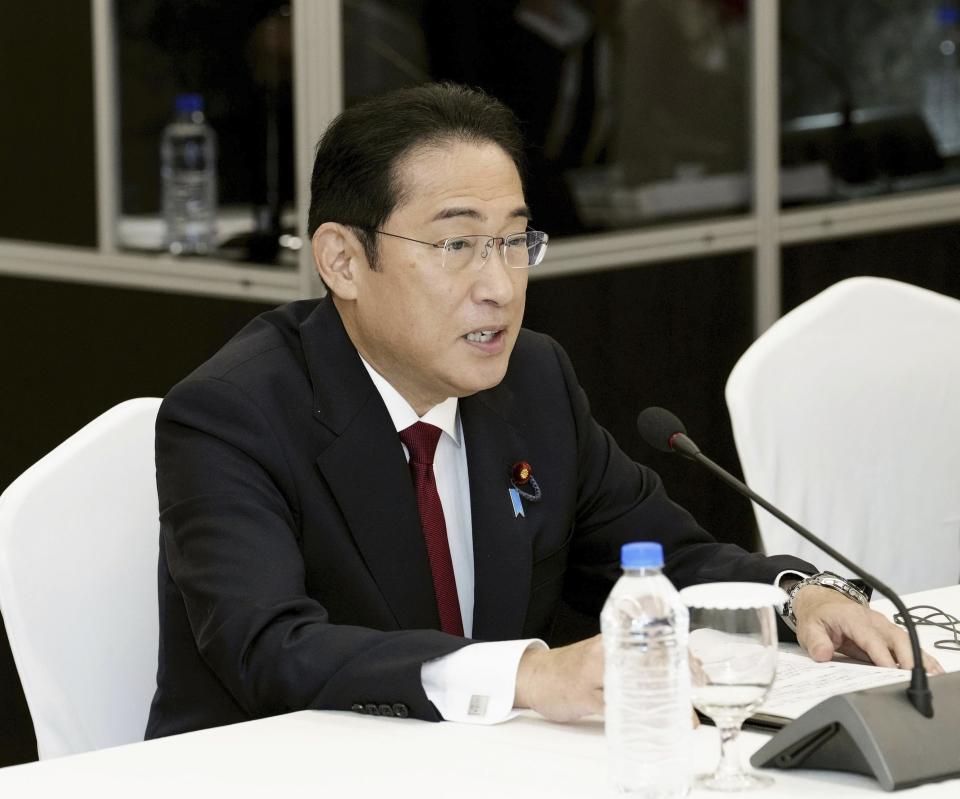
{"x": 452, "y": 213}
{"x": 471, "y": 213}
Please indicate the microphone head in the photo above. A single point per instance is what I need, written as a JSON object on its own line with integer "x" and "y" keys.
{"x": 657, "y": 428}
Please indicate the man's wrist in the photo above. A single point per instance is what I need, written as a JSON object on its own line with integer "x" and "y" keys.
{"x": 527, "y": 670}
{"x": 825, "y": 580}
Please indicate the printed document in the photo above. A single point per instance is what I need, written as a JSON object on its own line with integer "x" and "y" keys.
{"x": 802, "y": 683}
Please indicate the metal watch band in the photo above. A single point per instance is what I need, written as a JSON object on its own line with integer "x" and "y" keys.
{"x": 826, "y": 580}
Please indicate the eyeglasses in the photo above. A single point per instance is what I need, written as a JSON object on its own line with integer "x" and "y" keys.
{"x": 518, "y": 250}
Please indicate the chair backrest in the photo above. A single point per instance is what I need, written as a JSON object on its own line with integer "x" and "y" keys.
{"x": 79, "y": 541}
{"x": 846, "y": 414}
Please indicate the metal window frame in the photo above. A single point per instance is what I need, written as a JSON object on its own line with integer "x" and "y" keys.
{"x": 765, "y": 139}
{"x": 106, "y": 127}
{"x": 318, "y": 97}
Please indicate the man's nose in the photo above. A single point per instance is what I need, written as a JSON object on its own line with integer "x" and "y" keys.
{"x": 495, "y": 281}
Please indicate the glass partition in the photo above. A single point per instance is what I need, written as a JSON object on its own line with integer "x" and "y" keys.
{"x": 870, "y": 97}
{"x": 47, "y": 135}
{"x": 635, "y": 112}
{"x": 235, "y": 59}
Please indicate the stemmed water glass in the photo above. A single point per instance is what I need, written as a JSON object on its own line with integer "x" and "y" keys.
{"x": 733, "y": 660}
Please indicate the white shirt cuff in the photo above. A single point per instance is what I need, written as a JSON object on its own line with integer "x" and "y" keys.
{"x": 784, "y": 612}
{"x": 789, "y": 573}
{"x": 476, "y": 684}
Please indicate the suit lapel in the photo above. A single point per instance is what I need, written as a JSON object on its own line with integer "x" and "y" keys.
{"x": 370, "y": 479}
{"x": 366, "y": 471}
{"x": 502, "y": 542}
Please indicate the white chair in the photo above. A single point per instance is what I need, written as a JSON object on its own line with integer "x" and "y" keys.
{"x": 846, "y": 414}
{"x": 78, "y": 591}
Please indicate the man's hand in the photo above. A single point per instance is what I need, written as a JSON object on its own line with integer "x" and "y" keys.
{"x": 562, "y": 684}
{"x": 828, "y": 622}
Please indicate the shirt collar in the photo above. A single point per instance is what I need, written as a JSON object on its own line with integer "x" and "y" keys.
{"x": 443, "y": 415}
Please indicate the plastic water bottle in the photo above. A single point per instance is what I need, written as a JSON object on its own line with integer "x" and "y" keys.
{"x": 941, "y": 104}
{"x": 188, "y": 172}
{"x": 648, "y": 715}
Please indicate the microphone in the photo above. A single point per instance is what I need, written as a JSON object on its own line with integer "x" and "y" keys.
{"x": 870, "y": 729}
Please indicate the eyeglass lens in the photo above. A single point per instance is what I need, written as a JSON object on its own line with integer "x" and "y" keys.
{"x": 519, "y": 250}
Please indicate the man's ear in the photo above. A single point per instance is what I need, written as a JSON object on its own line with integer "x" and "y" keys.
{"x": 338, "y": 255}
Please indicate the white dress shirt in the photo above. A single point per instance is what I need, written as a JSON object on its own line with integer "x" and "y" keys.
{"x": 476, "y": 683}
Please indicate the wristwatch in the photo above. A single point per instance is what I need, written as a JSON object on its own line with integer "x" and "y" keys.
{"x": 826, "y": 580}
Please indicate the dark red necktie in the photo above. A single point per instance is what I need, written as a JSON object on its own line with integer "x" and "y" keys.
{"x": 421, "y": 441}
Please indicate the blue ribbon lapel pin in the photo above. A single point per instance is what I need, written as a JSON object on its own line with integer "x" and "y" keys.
{"x": 522, "y": 484}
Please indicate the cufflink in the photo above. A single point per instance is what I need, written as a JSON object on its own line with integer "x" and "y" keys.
{"x": 478, "y": 705}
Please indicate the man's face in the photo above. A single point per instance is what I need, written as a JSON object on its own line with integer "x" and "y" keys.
{"x": 411, "y": 319}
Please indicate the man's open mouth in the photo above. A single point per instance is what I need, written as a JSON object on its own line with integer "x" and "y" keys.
{"x": 482, "y": 336}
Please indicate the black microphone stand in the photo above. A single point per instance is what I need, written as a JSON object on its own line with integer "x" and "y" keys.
{"x": 882, "y": 732}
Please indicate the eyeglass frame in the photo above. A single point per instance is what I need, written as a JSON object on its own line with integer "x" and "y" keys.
{"x": 491, "y": 240}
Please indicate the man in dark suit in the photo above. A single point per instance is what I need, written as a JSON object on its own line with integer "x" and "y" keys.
{"x": 347, "y": 515}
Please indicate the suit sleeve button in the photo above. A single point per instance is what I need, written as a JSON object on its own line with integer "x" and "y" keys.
{"x": 356, "y": 708}
{"x": 372, "y": 710}
{"x": 400, "y": 710}
{"x": 385, "y": 710}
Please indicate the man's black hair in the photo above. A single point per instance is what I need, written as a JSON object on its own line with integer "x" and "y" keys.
{"x": 356, "y": 170}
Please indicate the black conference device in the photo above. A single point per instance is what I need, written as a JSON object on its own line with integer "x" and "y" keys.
{"x": 887, "y": 732}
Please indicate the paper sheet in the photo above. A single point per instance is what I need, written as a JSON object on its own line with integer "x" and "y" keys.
{"x": 802, "y": 683}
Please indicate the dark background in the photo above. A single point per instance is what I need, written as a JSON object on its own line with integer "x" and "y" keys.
{"x": 47, "y": 138}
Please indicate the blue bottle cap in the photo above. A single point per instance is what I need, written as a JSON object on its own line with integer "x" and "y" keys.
{"x": 188, "y": 103}
{"x": 948, "y": 15}
{"x": 642, "y": 555}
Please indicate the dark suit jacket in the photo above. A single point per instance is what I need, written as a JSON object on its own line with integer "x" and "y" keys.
{"x": 293, "y": 572}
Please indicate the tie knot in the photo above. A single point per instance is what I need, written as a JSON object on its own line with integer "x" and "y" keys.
{"x": 421, "y": 440}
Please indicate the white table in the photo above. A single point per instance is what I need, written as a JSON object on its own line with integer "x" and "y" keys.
{"x": 326, "y": 754}
{"x": 947, "y": 599}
